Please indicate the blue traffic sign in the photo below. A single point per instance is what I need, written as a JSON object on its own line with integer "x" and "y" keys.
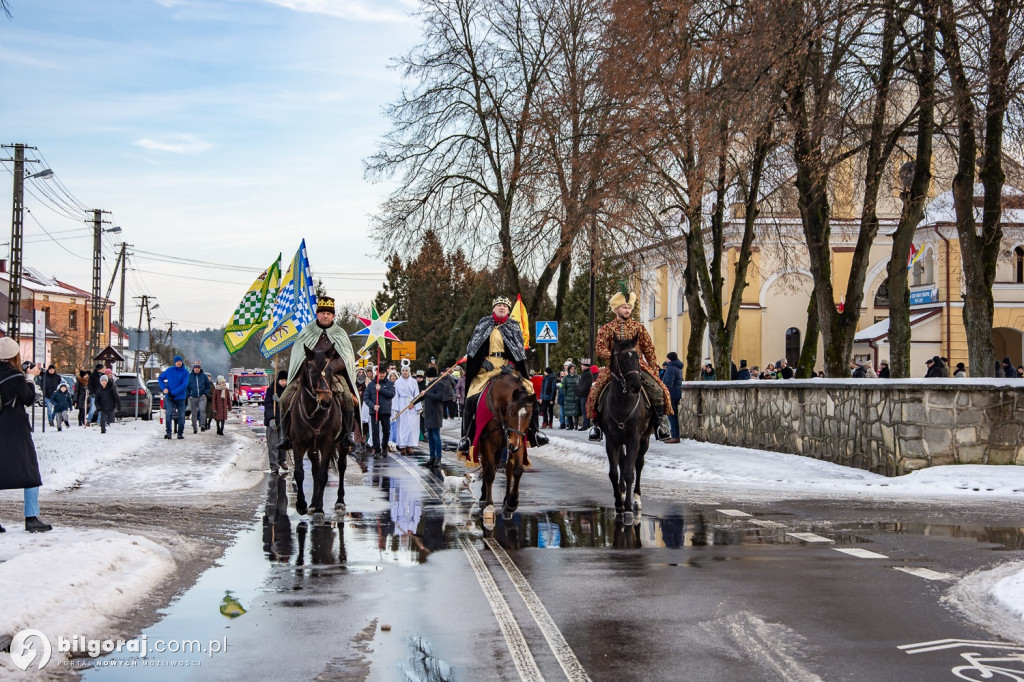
{"x": 547, "y": 332}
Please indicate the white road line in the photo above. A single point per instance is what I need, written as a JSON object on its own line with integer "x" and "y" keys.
{"x": 938, "y": 644}
{"x": 733, "y": 512}
{"x": 926, "y": 573}
{"x": 571, "y": 665}
{"x": 860, "y": 553}
{"x": 417, "y": 474}
{"x": 808, "y": 537}
{"x": 517, "y": 646}
{"x": 767, "y": 524}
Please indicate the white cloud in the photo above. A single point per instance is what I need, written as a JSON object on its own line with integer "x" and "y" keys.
{"x": 358, "y": 10}
{"x": 175, "y": 144}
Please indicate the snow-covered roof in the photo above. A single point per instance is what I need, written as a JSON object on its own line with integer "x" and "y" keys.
{"x": 27, "y": 330}
{"x": 49, "y": 286}
{"x": 879, "y": 330}
{"x": 941, "y": 210}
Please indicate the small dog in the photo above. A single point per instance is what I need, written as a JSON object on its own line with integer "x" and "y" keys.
{"x": 454, "y": 484}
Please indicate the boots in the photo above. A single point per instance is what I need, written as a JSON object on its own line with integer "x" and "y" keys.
{"x": 533, "y": 434}
{"x": 2, "y": 529}
{"x": 661, "y": 429}
{"x": 33, "y": 524}
{"x": 348, "y": 421}
{"x": 286, "y": 442}
{"x": 595, "y": 433}
{"x": 468, "y": 425}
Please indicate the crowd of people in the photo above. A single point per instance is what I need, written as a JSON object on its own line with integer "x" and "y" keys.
{"x": 208, "y": 401}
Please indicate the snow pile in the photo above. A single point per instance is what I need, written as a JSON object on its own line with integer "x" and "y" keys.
{"x": 74, "y": 581}
{"x": 1009, "y": 593}
{"x": 65, "y": 457}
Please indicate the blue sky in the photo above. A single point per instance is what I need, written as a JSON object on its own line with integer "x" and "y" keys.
{"x": 221, "y": 131}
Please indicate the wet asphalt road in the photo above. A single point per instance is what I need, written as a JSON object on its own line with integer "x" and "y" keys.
{"x": 562, "y": 591}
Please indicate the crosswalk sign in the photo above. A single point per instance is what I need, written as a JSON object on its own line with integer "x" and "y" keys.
{"x": 547, "y": 332}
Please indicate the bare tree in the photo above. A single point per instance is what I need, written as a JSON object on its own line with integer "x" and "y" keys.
{"x": 461, "y": 134}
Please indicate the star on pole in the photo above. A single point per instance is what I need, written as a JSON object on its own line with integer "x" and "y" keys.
{"x": 378, "y": 328}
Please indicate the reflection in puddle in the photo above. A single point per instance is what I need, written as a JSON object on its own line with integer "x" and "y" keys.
{"x": 1007, "y": 537}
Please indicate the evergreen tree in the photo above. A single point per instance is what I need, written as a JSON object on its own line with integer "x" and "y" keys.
{"x": 395, "y": 291}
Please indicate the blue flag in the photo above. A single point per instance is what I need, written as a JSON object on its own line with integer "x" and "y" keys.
{"x": 294, "y": 308}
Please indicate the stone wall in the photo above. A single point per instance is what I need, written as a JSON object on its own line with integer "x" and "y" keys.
{"x": 888, "y": 427}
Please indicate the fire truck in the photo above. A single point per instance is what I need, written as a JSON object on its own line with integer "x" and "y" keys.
{"x": 248, "y": 385}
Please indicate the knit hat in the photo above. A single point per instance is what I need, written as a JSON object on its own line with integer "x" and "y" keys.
{"x": 9, "y": 348}
{"x": 743, "y": 363}
{"x": 197, "y": 363}
{"x": 221, "y": 379}
{"x": 104, "y": 377}
{"x": 282, "y": 374}
{"x": 177, "y": 358}
{"x": 673, "y": 356}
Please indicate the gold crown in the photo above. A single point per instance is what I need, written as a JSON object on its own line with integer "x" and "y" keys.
{"x": 502, "y": 300}
{"x": 325, "y": 304}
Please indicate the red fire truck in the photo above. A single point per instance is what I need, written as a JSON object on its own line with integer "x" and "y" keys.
{"x": 248, "y": 385}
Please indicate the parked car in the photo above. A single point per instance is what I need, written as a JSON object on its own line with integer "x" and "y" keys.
{"x": 133, "y": 391}
{"x": 154, "y": 390}
{"x": 69, "y": 379}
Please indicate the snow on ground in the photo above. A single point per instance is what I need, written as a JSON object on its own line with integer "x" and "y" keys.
{"x": 74, "y": 581}
{"x": 67, "y": 456}
{"x": 994, "y": 598}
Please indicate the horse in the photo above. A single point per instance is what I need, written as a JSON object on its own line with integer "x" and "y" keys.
{"x": 626, "y": 418}
{"x": 511, "y": 408}
{"x": 316, "y": 430}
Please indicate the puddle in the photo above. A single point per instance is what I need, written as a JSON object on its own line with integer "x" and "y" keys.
{"x": 1006, "y": 537}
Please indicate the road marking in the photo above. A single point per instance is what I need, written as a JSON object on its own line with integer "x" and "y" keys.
{"x": 767, "y": 524}
{"x": 559, "y": 647}
{"x": 418, "y": 475}
{"x": 926, "y": 573}
{"x": 938, "y": 644}
{"x": 860, "y": 553}
{"x": 733, "y": 512}
{"x": 808, "y": 537}
{"x": 517, "y": 646}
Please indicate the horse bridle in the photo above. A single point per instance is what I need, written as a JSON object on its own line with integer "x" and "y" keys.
{"x": 312, "y": 393}
{"x": 505, "y": 428}
{"x": 621, "y": 424}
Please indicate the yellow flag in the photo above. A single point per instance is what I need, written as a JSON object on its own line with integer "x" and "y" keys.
{"x": 520, "y": 315}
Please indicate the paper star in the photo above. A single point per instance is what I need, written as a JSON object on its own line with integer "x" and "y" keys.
{"x": 378, "y": 328}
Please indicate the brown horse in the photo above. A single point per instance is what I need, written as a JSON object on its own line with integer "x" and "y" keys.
{"x": 316, "y": 429}
{"x": 511, "y": 409}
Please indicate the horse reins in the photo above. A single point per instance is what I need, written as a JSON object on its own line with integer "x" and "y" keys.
{"x": 621, "y": 425}
{"x": 319, "y": 405}
{"x": 505, "y": 428}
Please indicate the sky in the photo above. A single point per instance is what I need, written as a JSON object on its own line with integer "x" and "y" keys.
{"x": 216, "y": 132}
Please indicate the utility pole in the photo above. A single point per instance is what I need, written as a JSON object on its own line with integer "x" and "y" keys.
{"x": 17, "y": 231}
{"x": 96, "y": 337}
{"x": 120, "y": 316}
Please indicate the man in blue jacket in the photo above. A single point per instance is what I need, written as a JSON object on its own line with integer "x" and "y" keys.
{"x": 174, "y": 383}
{"x": 198, "y": 385}
{"x": 674, "y": 380}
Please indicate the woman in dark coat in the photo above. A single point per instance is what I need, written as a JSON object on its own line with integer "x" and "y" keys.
{"x": 107, "y": 402}
{"x": 571, "y": 407}
{"x": 438, "y": 393}
{"x": 81, "y": 396}
{"x": 19, "y": 467}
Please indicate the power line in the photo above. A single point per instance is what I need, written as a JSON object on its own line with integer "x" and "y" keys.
{"x": 52, "y": 238}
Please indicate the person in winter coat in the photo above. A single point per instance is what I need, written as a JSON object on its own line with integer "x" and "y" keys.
{"x": 784, "y": 370}
{"x": 221, "y": 403}
{"x": 961, "y": 371}
{"x": 94, "y": 387}
{"x": 50, "y": 381}
{"x": 378, "y": 395}
{"x": 560, "y": 399}
{"x": 81, "y": 396}
{"x": 208, "y": 412}
{"x": 438, "y": 393}
{"x": 174, "y": 383}
{"x": 364, "y": 413}
{"x": 743, "y": 374}
{"x": 272, "y": 420}
{"x": 198, "y": 385}
{"x": 583, "y": 392}
{"x": 674, "y": 381}
{"x": 936, "y": 368}
{"x": 62, "y": 404}
{"x": 19, "y": 466}
{"x": 707, "y": 373}
{"x": 107, "y": 402}
{"x": 883, "y": 371}
{"x": 571, "y": 404}
{"x": 1008, "y": 370}
{"x": 547, "y": 397}
{"x": 460, "y": 393}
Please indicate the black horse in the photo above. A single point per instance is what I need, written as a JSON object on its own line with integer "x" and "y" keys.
{"x": 625, "y": 416}
{"x": 316, "y": 430}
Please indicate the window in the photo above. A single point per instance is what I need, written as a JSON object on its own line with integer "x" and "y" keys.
{"x": 46, "y": 312}
{"x": 73, "y": 319}
{"x": 652, "y": 308}
{"x": 924, "y": 269}
{"x": 1018, "y": 265}
{"x": 681, "y": 301}
{"x": 792, "y": 346}
{"x": 882, "y": 295}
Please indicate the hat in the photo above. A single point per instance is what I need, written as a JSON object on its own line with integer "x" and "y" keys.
{"x": 568, "y": 361}
{"x": 1006, "y": 361}
{"x": 884, "y": 363}
{"x": 108, "y": 372}
{"x": 594, "y": 369}
{"x": 390, "y": 372}
{"x": 501, "y": 300}
{"x": 960, "y": 365}
{"x": 431, "y": 372}
{"x": 419, "y": 372}
{"x": 99, "y": 365}
{"x": 221, "y": 379}
{"x": 672, "y": 355}
{"x": 283, "y": 374}
{"x": 62, "y": 383}
{"x": 929, "y": 361}
{"x": 622, "y": 297}
{"x": 197, "y": 363}
{"x": 325, "y": 304}
{"x": 743, "y": 363}
{"x": 104, "y": 377}
{"x": 9, "y": 348}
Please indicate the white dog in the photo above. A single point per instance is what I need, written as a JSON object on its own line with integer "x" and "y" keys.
{"x": 454, "y": 484}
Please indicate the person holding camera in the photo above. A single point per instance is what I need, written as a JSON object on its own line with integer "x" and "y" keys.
{"x": 19, "y": 466}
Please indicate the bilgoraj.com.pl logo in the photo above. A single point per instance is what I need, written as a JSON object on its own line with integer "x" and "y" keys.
{"x": 31, "y": 648}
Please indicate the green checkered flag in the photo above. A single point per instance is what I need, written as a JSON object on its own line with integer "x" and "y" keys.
{"x": 253, "y": 310}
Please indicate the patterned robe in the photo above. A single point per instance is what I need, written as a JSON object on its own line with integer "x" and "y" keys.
{"x": 607, "y": 336}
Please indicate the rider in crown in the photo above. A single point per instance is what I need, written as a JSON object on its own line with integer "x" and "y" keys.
{"x": 323, "y": 335}
{"x": 624, "y": 327}
{"x": 497, "y": 341}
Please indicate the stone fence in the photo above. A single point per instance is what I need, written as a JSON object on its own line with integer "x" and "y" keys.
{"x": 890, "y": 427}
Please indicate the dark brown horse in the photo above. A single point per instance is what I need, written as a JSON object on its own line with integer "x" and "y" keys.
{"x": 511, "y": 409}
{"x": 316, "y": 429}
{"x": 625, "y": 417}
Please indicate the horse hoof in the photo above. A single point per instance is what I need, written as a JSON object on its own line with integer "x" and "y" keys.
{"x": 319, "y": 519}
{"x": 627, "y": 518}
{"x": 637, "y": 506}
{"x": 339, "y": 507}
{"x": 301, "y": 508}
